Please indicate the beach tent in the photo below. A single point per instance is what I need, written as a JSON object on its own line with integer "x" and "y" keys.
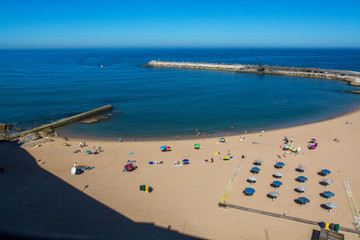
{"x": 276, "y": 184}
{"x": 301, "y": 189}
{"x": 258, "y": 162}
{"x": 222, "y": 140}
{"x": 278, "y": 174}
{"x": 302, "y": 179}
{"x": 252, "y": 179}
{"x": 274, "y": 195}
{"x": 255, "y": 170}
{"x": 197, "y": 146}
{"x": 330, "y": 205}
{"x": 303, "y": 200}
{"x": 249, "y": 191}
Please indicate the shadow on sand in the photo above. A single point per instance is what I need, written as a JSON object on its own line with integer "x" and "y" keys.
{"x": 35, "y": 204}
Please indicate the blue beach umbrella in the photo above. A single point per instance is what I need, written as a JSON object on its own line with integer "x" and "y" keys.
{"x": 277, "y": 184}
{"x": 222, "y": 139}
{"x": 303, "y": 200}
{"x": 286, "y": 147}
{"x": 255, "y": 170}
{"x": 313, "y": 139}
{"x": 325, "y": 172}
{"x": 186, "y": 161}
{"x": 302, "y": 179}
{"x": 131, "y": 153}
{"x": 279, "y": 164}
{"x": 163, "y": 147}
{"x": 328, "y": 194}
{"x": 249, "y": 191}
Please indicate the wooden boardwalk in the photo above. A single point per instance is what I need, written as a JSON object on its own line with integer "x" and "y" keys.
{"x": 229, "y": 186}
{"x": 227, "y": 205}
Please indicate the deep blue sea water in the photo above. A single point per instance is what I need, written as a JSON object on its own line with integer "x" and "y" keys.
{"x": 41, "y": 86}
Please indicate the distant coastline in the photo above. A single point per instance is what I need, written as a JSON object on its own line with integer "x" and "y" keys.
{"x": 352, "y": 77}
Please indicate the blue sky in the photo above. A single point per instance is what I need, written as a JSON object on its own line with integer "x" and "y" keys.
{"x": 241, "y": 23}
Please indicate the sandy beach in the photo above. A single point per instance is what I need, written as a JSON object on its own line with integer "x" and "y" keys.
{"x": 41, "y": 196}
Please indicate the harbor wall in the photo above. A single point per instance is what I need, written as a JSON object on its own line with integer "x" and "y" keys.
{"x": 65, "y": 121}
{"x": 349, "y": 76}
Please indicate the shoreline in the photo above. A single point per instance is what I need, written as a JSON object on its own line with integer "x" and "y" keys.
{"x": 210, "y": 136}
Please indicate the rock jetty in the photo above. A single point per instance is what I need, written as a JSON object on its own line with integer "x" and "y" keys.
{"x": 349, "y": 76}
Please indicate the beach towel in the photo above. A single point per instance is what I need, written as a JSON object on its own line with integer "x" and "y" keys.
{"x": 178, "y": 165}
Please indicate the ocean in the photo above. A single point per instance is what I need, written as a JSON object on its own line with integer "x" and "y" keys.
{"x": 42, "y": 86}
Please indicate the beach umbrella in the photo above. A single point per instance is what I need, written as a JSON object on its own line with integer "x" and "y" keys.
{"x": 163, "y": 147}
{"x": 286, "y": 147}
{"x": 301, "y": 168}
{"x": 277, "y": 184}
{"x": 249, "y": 191}
{"x": 328, "y": 194}
{"x": 325, "y": 172}
{"x": 222, "y": 139}
{"x": 274, "y": 195}
{"x": 186, "y": 161}
{"x": 255, "y": 170}
{"x": 302, "y": 179}
{"x": 252, "y": 179}
{"x": 226, "y": 157}
{"x": 303, "y": 200}
{"x": 131, "y": 153}
{"x": 258, "y": 162}
{"x": 301, "y": 189}
{"x": 168, "y": 148}
{"x": 129, "y": 167}
{"x": 278, "y": 174}
{"x": 331, "y": 205}
{"x": 196, "y": 146}
{"x": 327, "y": 181}
{"x": 313, "y": 139}
{"x": 279, "y": 164}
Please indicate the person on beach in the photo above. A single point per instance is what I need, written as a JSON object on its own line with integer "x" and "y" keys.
{"x": 176, "y": 138}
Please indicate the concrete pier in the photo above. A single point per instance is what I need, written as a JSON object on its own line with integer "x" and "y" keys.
{"x": 350, "y": 76}
{"x": 65, "y": 121}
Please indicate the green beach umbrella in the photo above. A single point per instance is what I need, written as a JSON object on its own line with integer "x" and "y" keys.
{"x": 197, "y": 145}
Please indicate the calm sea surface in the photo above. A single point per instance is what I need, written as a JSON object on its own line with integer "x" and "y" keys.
{"x": 41, "y": 86}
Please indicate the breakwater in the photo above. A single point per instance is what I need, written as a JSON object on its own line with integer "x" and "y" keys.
{"x": 65, "y": 121}
{"x": 352, "y": 77}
